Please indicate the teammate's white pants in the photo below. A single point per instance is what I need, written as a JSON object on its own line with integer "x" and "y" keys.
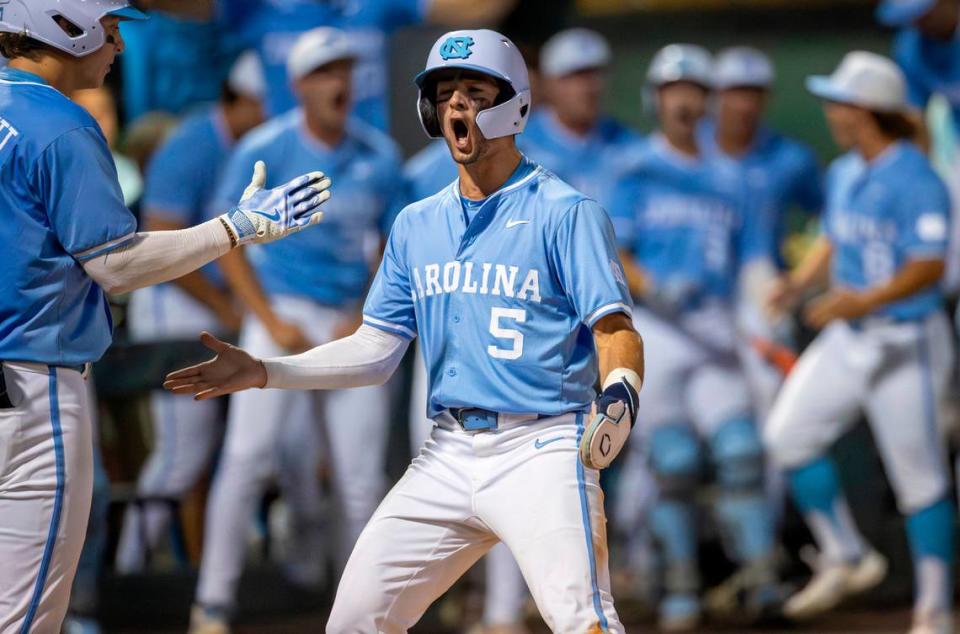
{"x": 186, "y": 432}
{"x": 463, "y": 493}
{"x": 897, "y": 373}
{"x": 46, "y": 480}
{"x": 355, "y": 423}
{"x": 506, "y": 591}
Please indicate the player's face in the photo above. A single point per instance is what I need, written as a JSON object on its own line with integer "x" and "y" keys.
{"x": 576, "y": 97}
{"x": 940, "y": 22}
{"x": 326, "y": 94}
{"x": 93, "y": 68}
{"x": 741, "y": 109}
{"x": 681, "y": 105}
{"x": 844, "y": 121}
{"x": 460, "y": 97}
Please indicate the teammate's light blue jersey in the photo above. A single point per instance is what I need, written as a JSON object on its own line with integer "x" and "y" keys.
{"x": 182, "y": 175}
{"x": 429, "y": 170}
{"x": 61, "y": 205}
{"x": 592, "y": 164}
{"x": 687, "y": 225}
{"x": 931, "y": 66}
{"x": 504, "y": 304}
{"x": 882, "y": 214}
{"x": 779, "y": 175}
{"x": 272, "y": 26}
{"x": 331, "y": 266}
{"x": 171, "y": 64}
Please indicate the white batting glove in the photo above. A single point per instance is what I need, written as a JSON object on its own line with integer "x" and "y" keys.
{"x": 611, "y": 419}
{"x": 265, "y": 215}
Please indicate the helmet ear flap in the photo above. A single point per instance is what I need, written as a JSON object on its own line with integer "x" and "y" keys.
{"x": 428, "y": 116}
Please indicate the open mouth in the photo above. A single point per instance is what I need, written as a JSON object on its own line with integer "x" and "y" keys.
{"x": 461, "y": 133}
{"x": 340, "y": 100}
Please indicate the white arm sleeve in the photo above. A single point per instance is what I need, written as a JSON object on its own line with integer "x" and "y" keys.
{"x": 158, "y": 256}
{"x": 367, "y": 357}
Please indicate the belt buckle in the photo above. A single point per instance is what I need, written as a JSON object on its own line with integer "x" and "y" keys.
{"x": 475, "y": 419}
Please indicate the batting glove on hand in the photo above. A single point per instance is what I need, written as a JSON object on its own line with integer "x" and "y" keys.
{"x": 612, "y": 417}
{"x": 265, "y": 215}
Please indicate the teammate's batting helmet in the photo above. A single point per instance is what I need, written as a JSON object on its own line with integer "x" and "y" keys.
{"x": 681, "y": 62}
{"x": 485, "y": 52}
{"x": 742, "y": 67}
{"x": 72, "y": 26}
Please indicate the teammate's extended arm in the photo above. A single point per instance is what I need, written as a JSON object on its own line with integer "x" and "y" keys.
{"x": 262, "y": 215}
{"x": 845, "y": 303}
{"x": 620, "y": 353}
{"x": 812, "y": 271}
{"x": 637, "y": 280}
{"x": 367, "y": 357}
{"x": 196, "y": 284}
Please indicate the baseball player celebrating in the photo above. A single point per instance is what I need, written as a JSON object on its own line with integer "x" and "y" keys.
{"x": 302, "y": 294}
{"x": 69, "y": 239}
{"x": 511, "y": 278}
{"x": 687, "y": 236}
{"x": 571, "y": 136}
{"x": 885, "y": 347}
{"x": 180, "y": 182}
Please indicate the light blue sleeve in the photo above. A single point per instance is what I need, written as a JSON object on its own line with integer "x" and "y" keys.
{"x": 172, "y": 188}
{"x": 754, "y": 236}
{"x": 924, "y": 220}
{"x": 78, "y": 181}
{"x": 808, "y": 188}
{"x": 389, "y": 305}
{"x": 585, "y": 259}
{"x": 623, "y": 212}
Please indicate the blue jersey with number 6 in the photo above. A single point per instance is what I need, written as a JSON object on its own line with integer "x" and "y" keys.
{"x": 503, "y": 303}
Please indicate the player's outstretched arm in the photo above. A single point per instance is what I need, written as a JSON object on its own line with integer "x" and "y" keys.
{"x": 620, "y": 352}
{"x": 367, "y": 357}
{"x": 262, "y": 215}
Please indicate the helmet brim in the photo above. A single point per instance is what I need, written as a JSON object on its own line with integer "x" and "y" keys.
{"x": 421, "y": 77}
{"x": 129, "y": 13}
{"x": 825, "y": 88}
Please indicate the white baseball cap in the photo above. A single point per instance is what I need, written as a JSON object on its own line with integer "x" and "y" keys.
{"x": 863, "y": 79}
{"x": 246, "y": 76}
{"x": 318, "y": 47}
{"x": 681, "y": 62}
{"x": 742, "y": 67}
{"x": 574, "y": 50}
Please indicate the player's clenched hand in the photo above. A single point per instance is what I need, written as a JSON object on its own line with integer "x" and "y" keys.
{"x": 839, "y": 303}
{"x": 611, "y": 419}
{"x": 782, "y": 297}
{"x": 265, "y": 215}
{"x": 232, "y": 370}
{"x": 289, "y": 336}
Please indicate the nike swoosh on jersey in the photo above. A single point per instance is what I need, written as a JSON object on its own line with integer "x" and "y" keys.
{"x": 514, "y": 223}
{"x": 275, "y": 216}
{"x": 541, "y": 445}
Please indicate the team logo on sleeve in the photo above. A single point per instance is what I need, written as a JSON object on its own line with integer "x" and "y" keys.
{"x": 456, "y": 48}
{"x": 618, "y": 274}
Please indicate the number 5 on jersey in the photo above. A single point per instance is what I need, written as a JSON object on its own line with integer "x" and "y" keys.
{"x": 497, "y": 329}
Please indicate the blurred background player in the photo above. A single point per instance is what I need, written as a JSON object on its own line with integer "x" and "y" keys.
{"x": 297, "y": 297}
{"x": 180, "y": 184}
{"x": 686, "y": 235}
{"x": 569, "y": 134}
{"x": 885, "y": 348}
{"x": 272, "y": 26}
{"x": 70, "y": 240}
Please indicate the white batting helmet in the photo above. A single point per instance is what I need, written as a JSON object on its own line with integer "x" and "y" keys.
{"x": 37, "y": 19}
{"x": 486, "y": 52}
{"x": 681, "y": 62}
{"x": 742, "y": 67}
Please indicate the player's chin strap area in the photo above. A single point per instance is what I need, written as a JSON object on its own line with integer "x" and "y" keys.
{"x": 613, "y": 415}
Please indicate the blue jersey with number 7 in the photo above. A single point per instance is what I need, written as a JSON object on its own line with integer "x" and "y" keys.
{"x": 503, "y": 303}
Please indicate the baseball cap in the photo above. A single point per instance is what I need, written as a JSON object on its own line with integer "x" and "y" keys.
{"x": 681, "y": 62}
{"x": 573, "y": 50}
{"x": 246, "y": 76}
{"x": 318, "y": 47}
{"x": 742, "y": 66}
{"x": 863, "y": 79}
{"x": 902, "y": 12}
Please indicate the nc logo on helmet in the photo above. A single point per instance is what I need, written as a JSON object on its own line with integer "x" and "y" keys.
{"x": 456, "y": 48}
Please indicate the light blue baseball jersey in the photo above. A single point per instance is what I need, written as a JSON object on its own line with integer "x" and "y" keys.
{"x": 882, "y": 214}
{"x": 591, "y": 164}
{"x": 182, "y": 176}
{"x": 331, "y": 266}
{"x": 779, "y": 174}
{"x": 272, "y": 27}
{"x": 503, "y": 304}
{"x": 931, "y": 66}
{"x": 687, "y": 225}
{"x": 62, "y": 205}
{"x": 429, "y": 170}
